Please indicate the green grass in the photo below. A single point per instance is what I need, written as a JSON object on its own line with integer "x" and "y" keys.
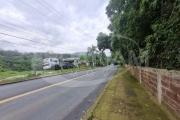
{"x": 12, "y": 73}
{"x": 125, "y": 99}
{"x": 39, "y": 74}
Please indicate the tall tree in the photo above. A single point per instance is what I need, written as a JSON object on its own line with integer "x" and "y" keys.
{"x": 92, "y": 51}
{"x": 103, "y": 41}
{"x": 154, "y": 25}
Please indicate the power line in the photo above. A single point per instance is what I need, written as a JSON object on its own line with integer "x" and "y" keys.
{"x": 24, "y": 23}
{"x": 34, "y": 41}
{"x": 27, "y": 33}
{"x": 33, "y": 27}
{"x": 48, "y": 17}
{"x": 64, "y": 18}
{"x": 20, "y": 44}
{"x": 61, "y": 16}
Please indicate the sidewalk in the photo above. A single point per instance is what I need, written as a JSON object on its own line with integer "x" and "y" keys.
{"x": 125, "y": 99}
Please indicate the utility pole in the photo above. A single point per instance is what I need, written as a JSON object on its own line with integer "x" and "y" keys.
{"x": 43, "y": 59}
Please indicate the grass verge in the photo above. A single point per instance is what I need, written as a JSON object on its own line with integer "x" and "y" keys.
{"x": 40, "y": 74}
{"x": 124, "y": 99}
{"x": 12, "y": 73}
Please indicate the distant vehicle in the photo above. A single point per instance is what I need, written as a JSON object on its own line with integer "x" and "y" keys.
{"x": 51, "y": 63}
{"x": 70, "y": 63}
{"x": 65, "y": 65}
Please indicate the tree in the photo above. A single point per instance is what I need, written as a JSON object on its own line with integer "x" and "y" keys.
{"x": 163, "y": 43}
{"x": 103, "y": 58}
{"x": 1, "y": 67}
{"x": 36, "y": 64}
{"x": 103, "y": 41}
{"x": 81, "y": 57}
{"x": 92, "y": 51}
{"x": 154, "y": 26}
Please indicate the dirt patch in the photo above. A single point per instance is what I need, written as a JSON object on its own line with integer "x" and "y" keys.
{"x": 130, "y": 92}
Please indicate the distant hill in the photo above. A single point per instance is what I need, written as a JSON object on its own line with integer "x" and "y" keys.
{"x": 79, "y": 53}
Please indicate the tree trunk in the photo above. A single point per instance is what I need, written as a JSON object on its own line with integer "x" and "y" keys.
{"x": 161, "y": 64}
{"x": 162, "y": 8}
{"x": 173, "y": 9}
{"x": 61, "y": 68}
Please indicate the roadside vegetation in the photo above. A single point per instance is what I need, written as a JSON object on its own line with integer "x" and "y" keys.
{"x": 146, "y": 27}
{"x": 20, "y": 62}
{"x": 40, "y": 74}
{"x": 16, "y": 66}
{"x": 7, "y": 74}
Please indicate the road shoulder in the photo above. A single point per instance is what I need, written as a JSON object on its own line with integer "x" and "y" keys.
{"x": 124, "y": 98}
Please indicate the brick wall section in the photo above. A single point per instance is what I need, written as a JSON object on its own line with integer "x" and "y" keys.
{"x": 170, "y": 85}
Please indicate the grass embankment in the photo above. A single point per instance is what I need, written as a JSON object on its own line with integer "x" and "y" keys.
{"x": 125, "y": 99}
{"x": 40, "y": 74}
{"x": 12, "y": 73}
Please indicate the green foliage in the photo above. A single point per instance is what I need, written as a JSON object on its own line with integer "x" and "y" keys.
{"x": 82, "y": 57}
{"x": 36, "y": 63}
{"x": 102, "y": 59}
{"x": 91, "y": 116}
{"x": 103, "y": 41}
{"x": 92, "y": 51}
{"x": 17, "y": 61}
{"x": 30, "y": 75}
{"x": 154, "y": 26}
{"x": 7, "y": 73}
{"x": 1, "y": 67}
{"x": 89, "y": 58}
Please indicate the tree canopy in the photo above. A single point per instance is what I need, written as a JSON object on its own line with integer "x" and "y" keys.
{"x": 103, "y": 41}
{"x": 146, "y": 25}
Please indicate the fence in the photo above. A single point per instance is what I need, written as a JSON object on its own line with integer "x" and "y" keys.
{"x": 163, "y": 84}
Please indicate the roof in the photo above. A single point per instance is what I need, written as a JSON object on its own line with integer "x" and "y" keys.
{"x": 70, "y": 59}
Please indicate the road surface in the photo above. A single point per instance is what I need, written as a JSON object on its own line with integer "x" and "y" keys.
{"x": 62, "y": 97}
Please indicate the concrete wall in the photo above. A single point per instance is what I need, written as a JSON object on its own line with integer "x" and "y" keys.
{"x": 163, "y": 84}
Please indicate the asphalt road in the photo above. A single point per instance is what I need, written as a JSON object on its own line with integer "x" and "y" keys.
{"x": 62, "y": 97}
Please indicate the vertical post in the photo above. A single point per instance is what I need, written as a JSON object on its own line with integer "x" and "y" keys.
{"x": 140, "y": 79}
{"x": 159, "y": 87}
{"x": 43, "y": 66}
{"x": 132, "y": 70}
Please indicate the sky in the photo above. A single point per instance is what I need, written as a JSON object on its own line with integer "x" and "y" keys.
{"x": 60, "y": 26}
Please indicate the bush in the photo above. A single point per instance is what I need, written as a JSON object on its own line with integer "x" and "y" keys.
{"x": 39, "y": 74}
{"x": 30, "y": 75}
{"x": 3, "y": 70}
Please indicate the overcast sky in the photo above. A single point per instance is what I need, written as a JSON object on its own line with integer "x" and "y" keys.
{"x": 73, "y": 27}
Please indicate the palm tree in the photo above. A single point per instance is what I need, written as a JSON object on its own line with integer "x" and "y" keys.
{"x": 92, "y": 50}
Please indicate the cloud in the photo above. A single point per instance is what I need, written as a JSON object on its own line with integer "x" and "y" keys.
{"x": 74, "y": 27}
